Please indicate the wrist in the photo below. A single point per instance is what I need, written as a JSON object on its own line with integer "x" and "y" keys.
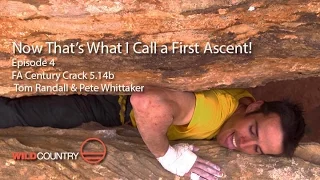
{"x": 169, "y": 157}
{"x": 178, "y": 159}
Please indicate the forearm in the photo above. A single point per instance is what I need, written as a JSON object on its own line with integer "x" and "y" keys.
{"x": 156, "y": 142}
{"x": 155, "y": 111}
{"x": 153, "y": 128}
{"x": 177, "y": 159}
{"x": 153, "y": 115}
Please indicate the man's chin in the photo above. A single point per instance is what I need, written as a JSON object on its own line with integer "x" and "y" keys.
{"x": 221, "y": 142}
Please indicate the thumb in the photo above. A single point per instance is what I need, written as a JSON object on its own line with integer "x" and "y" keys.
{"x": 195, "y": 148}
{"x": 186, "y": 146}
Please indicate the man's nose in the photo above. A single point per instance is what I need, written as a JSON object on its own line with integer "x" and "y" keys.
{"x": 246, "y": 142}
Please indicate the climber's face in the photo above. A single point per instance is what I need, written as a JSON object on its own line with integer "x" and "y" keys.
{"x": 252, "y": 133}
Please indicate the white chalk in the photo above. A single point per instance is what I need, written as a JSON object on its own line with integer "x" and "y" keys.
{"x": 251, "y": 8}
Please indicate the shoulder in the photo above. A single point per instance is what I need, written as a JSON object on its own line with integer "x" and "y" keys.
{"x": 161, "y": 94}
{"x": 176, "y": 102}
{"x": 236, "y": 95}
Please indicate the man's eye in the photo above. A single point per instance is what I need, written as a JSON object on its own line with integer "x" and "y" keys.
{"x": 257, "y": 149}
{"x": 251, "y": 130}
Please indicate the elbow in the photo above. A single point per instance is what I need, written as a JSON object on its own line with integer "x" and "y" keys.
{"x": 148, "y": 106}
{"x": 141, "y": 101}
{"x": 141, "y": 104}
{"x": 151, "y": 109}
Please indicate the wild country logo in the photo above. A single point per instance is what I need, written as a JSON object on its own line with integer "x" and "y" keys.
{"x": 91, "y": 157}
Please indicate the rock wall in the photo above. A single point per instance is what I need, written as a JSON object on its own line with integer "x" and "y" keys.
{"x": 128, "y": 157}
{"x": 285, "y": 42}
{"x": 284, "y": 35}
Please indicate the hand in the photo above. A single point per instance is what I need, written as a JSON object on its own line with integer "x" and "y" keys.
{"x": 205, "y": 169}
{"x": 178, "y": 159}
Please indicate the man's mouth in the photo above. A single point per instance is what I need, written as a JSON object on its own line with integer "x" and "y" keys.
{"x": 231, "y": 141}
{"x": 234, "y": 141}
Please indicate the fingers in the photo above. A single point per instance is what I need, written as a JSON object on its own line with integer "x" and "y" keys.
{"x": 209, "y": 169}
{"x": 194, "y": 176}
{"x": 203, "y": 169}
{"x": 202, "y": 174}
{"x": 208, "y": 163}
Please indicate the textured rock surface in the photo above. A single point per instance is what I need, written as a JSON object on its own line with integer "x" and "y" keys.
{"x": 129, "y": 158}
{"x": 284, "y": 34}
{"x": 286, "y": 45}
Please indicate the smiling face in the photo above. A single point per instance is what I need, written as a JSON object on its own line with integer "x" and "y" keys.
{"x": 252, "y": 133}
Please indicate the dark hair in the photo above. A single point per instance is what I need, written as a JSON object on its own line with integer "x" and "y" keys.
{"x": 292, "y": 122}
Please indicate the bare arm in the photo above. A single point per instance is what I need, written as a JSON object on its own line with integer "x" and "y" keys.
{"x": 155, "y": 110}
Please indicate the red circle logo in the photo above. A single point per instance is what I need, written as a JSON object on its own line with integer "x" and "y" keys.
{"x": 93, "y": 157}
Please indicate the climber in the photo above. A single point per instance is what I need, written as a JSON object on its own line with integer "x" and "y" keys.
{"x": 231, "y": 116}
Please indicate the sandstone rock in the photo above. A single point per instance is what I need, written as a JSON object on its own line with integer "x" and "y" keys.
{"x": 128, "y": 157}
{"x": 284, "y": 35}
{"x": 309, "y": 152}
{"x": 285, "y": 40}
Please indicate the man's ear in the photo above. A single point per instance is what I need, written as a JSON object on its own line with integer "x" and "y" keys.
{"x": 254, "y": 106}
